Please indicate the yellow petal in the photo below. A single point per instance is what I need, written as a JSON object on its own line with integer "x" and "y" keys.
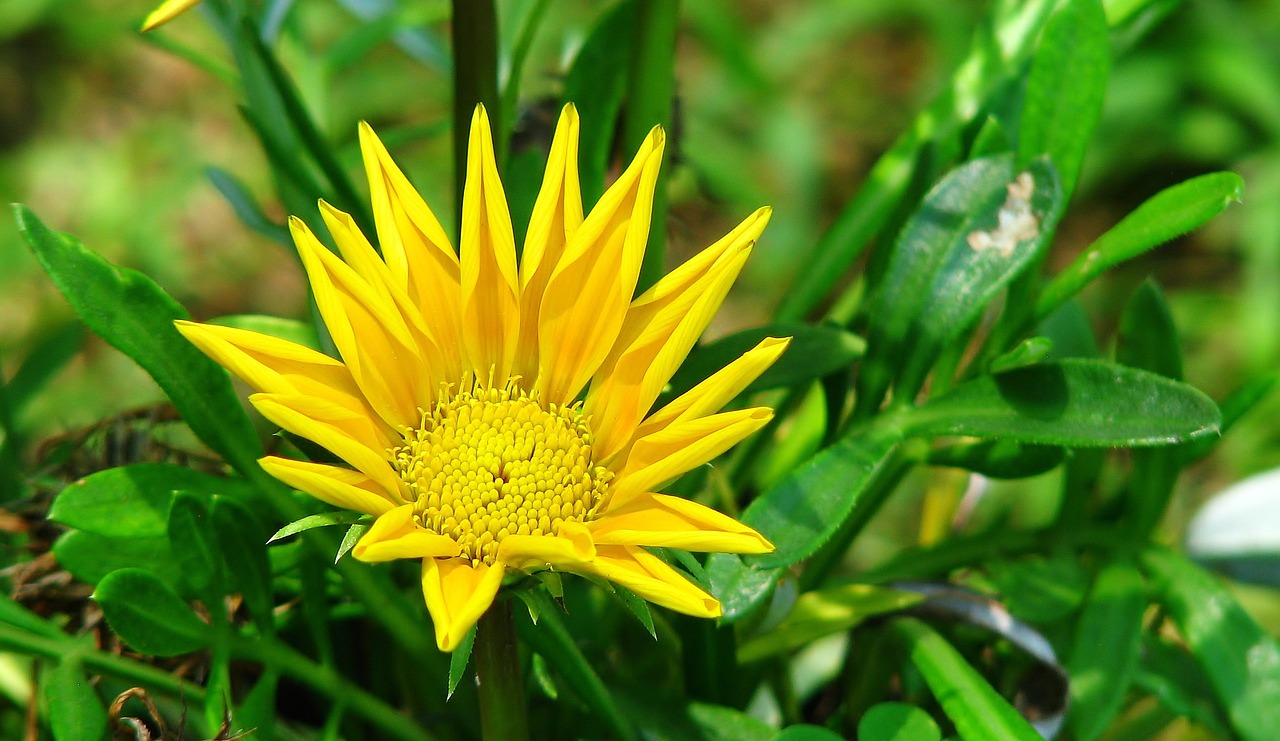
{"x": 490, "y": 284}
{"x": 416, "y": 249}
{"x": 557, "y": 214}
{"x": 659, "y": 330}
{"x": 368, "y": 331}
{"x": 718, "y": 389}
{"x": 457, "y": 594}
{"x": 571, "y": 545}
{"x": 395, "y": 535}
{"x": 662, "y": 456}
{"x": 647, "y": 576}
{"x": 588, "y": 293}
{"x": 340, "y": 487}
{"x": 672, "y": 522}
{"x": 276, "y": 366}
{"x": 333, "y": 430}
{"x": 167, "y": 11}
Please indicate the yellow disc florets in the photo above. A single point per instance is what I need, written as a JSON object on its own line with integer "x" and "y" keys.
{"x": 488, "y": 462}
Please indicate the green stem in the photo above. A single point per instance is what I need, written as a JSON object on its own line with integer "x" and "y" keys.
{"x": 475, "y": 82}
{"x": 511, "y": 90}
{"x": 649, "y": 104}
{"x": 503, "y": 715}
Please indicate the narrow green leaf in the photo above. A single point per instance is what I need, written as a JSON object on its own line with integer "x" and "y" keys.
{"x": 815, "y": 351}
{"x": 1240, "y": 402}
{"x": 1105, "y": 653}
{"x": 1170, "y": 674}
{"x": 596, "y": 83}
{"x": 1065, "y": 88}
{"x": 191, "y": 529}
{"x": 148, "y": 615}
{"x": 1028, "y": 352}
{"x": 12, "y": 613}
{"x": 246, "y": 206}
{"x": 458, "y": 660}
{"x": 998, "y": 459}
{"x": 242, "y": 544}
{"x": 1170, "y": 213}
{"x": 133, "y": 500}
{"x": 90, "y": 557}
{"x": 132, "y": 313}
{"x": 1241, "y": 660}
{"x": 896, "y": 721}
{"x": 973, "y": 233}
{"x": 1040, "y": 589}
{"x": 76, "y": 712}
{"x": 352, "y": 536}
{"x": 638, "y": 607}
{"x": 802, "y": 511}
{"x": 1075, "y": 403}
{"x": 823, "y": 612}
{"x": 720, "y": 723}
{"x": 978, "y": 711}
{"x": 51, "y": 354}
{"x": 324, "y": 519}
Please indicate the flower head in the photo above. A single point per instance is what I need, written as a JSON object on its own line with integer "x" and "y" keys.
{"x": 168, "y": 10}
{"x": 459, "y": 401}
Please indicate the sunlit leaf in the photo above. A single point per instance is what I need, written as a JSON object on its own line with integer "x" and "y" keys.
{"x": 148, "y": 615}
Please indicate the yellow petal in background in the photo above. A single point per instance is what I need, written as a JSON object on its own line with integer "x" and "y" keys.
{"x": 167, "y": 11}
{"x": 418, "y": 253}
{"x": 395, "y": 535}
{"x": 557, "y": 214}
{"x": 341, "y": 487}
{"x": 588, "y": 293}
{"x": 659, "y": 330}
{"x": 650, "y": 578}
{"x": 490, "y": 283}
{"x": 457, "y": 594}
{"x": 665, "y": 521}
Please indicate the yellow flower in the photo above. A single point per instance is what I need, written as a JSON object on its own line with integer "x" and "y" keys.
{"x": 457, "y": 405}
{"x": 167, "y": 11}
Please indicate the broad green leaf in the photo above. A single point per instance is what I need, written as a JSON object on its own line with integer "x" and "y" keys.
{"x": 132, "y": 313}
{"x": 1065, "y": 88}
{"x": 807, "y": 732}
{"x": 552, "y": 639}
{"x": 596, "y": 83}
{"x": 1075, "y": 403}
{"x": 739, "y": 586}
{"x": 973, "y": 233}
{"x": 978, "y": 711}
{"x": 242, "y": 544}
{"x": 815, "y": 351}
{"x": 896, "y": 721}
{"x": 76, "y": 712}
{"x": 998, "y": 459}
{"x": 1148, "y": 340}
{"x": 90, "y": 557}
{"x": 1170, "y": 213}
{"x": 458, "y": 660}
{"x": 720, "y": 723}
{"x": 823, "y": 612}
{"x": 197, "y": 555}
{"x": 1241, "y": 660}
{"x": 1071, "y": 333}
{"x": 802, "y": 511}
{"x": 1105, "y": 652}
{"x": 133, "y": 500}
{"x": 324, "y": 519}
{"x": 285, "y": 329}
{"x": 148, "y": 615}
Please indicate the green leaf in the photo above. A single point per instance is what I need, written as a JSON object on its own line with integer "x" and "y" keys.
{"x": 75, "y": 709}
{"x": 720, "y": 723}
{"x": 133, "y": 500}
{"x": 637, "y": 606}
{"x": 285, "y": 329}
{"x": 197, "y": 553}
{"x": 1075, "y": 403}
{"x": 1065, "y": 88}
{"x": 1170, "y": 213}
{"x": 1028, "y": 352}
{"x": 1040, "y": 589}
{"x": 90, "y": 557}
{"x": 135, "y": 316}
{"x": 148, "y": 615}
{"x": 596, "y": 83}
{"x": 12, "y": 613}
{"x": 823, "y": 612}
{"x": 978, "y": 711}
{"x": 815, "y": 351}
{"x": 807, "y": 732}
{"x": 1241, "y": 660}
{"x": 51, "y": 353}
{"x": 458, "y": 660}
{"x": 802, "y": 511}
{"x": 352, "y": 536}
{"x": 974, "y": 232}
{"x": 246, "y": 206}
{"x": 243, "y": 547}
{"x": 739, "y": 586}
{"x": 324, "y": 519}
{"x": 1171, "y": 675}
{"x": 998, "y": 459}
{"x": 896, "y": 721}
{"x": 1105, "y": 652}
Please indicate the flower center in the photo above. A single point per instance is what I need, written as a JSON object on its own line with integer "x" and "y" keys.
{"x": 488, "y": 462}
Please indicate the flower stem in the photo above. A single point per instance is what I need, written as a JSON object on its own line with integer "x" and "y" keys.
{"x": 475, "y": 80}
{"x": 502, "y": 708}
